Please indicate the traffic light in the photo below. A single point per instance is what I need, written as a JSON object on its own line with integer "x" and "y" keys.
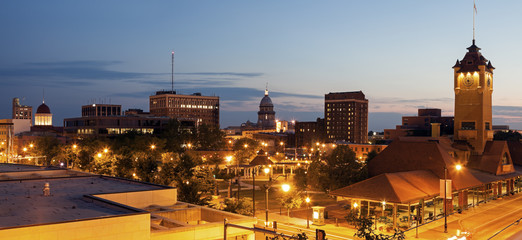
{"x": 320, "y": 234}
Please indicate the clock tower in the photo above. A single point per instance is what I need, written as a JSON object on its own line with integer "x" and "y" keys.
{"x": 473, "y": 85}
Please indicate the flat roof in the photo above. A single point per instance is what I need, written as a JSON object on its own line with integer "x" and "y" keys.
{"x": 9, "y": 167}
{"x": 22, "y": 201}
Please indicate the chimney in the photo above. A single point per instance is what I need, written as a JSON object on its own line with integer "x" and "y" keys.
{"x": 435, "y": 130}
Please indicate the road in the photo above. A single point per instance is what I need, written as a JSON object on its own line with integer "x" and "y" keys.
{"x": 483, "y": 221}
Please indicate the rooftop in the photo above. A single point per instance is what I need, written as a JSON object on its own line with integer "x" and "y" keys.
{"x": 23, "y": 202}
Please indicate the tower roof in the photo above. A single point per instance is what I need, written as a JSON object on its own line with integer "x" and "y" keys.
{"x": 43, "y": 109}
{"x": 472, "y": 60}
{"x": 266, "y": 101}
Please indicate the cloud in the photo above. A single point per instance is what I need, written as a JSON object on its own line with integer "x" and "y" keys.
{"x": 68, "y": 74}
{"x": 236, "y": 74}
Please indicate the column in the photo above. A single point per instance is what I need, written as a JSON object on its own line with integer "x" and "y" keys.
{"x": 499, "y": 186}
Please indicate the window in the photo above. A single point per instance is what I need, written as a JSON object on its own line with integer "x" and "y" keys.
{"x": 487, "y": 126}
{"x": 505, "y": 160}
{"x": 468, "y": 126}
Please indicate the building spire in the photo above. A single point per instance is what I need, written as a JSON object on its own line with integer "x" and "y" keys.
{"x": 266, "y": 89}
{"x": 43, "y": 95}
{"x": 172, "y": 73}
{"x": 474, "y": 12}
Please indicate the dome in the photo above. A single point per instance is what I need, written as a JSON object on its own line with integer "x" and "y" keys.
{"x": 266, "y": 102}
{"x": 43, "y": 109}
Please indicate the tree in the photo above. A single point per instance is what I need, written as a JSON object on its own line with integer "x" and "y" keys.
{"x": 146, "y": 166}
{"x": 209, "y": 137}
{"x": 301, "y": 179}
{"x": 245, "y": 149}
{"x": 342, "y": 168}
{"x": 49, "y": 147}
{"x": 366, "y": 231}
{"x": 291, "y": 200}
{"x": 176, "y": 136}
{"x": 507, "y": 136}
{"x": 243, "y": 206}
{"x": 193, "y": 186}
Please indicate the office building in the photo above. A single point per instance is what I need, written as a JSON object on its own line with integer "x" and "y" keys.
{"x": 197, "y": 108}
{"x": 346, "y": 116}
{"x": 21, "y": 111}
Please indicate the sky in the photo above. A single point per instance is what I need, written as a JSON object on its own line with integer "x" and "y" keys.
{"x": 399, "y": 53}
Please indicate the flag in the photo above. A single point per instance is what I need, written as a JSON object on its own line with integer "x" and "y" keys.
{"x": 474, "y": 7}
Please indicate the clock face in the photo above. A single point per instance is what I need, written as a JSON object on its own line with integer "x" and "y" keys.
{"x": 468, "y": 81}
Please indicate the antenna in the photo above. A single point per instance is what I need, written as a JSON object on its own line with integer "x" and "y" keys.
{"x": 172, "y": 75}
{"x": 474, "y": 12}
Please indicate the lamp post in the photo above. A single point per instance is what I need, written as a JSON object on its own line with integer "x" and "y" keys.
{"x": 458, "y": 167}
{"x": 285, "y": 188}
{"x": 307, "y": 200}
{"x": 254, "y": 191}
{"x": 445, "y": 207}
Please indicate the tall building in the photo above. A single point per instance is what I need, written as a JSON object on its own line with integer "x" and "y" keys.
{"x": 197, "y": 108}
{"x": 266, "y": 115}
{"x": 21, "y": 111}
{"x": 43, "y": 116}
{"x": 473, "y": 86}
{"x": 346, "y": 116}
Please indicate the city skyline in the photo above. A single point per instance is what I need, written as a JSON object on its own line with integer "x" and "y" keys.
{"x": 120, "y": 53}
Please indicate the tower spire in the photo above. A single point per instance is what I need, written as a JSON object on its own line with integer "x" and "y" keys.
{"x": 474, "y": 12}
{"x": 266, "y": 89}
{"x": 172, "y": 73}
{"x": 43, "y": 95}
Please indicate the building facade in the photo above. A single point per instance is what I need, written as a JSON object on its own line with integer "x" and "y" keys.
{"x": 420, "y": 125}
{"x": 346, "y": 117}
{"x": 22, "y": 111}
{"x": 197, "y": 108}
{"x": 96, "y": 110}
{"x": 308, "y": 133}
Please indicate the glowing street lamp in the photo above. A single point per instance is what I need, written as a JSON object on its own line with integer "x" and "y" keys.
{"x": 285, "y": 187}
{"x": 152, "y": 146}
{"x": 31, "y": 145}
{"x": 99, "y": 155}
{"x": 106, "y": 150}
{"x": 75, "y": 146}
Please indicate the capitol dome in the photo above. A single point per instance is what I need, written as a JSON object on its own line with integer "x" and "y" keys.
{"x": 266, "y": 101}
{"x": 43, "y": 109}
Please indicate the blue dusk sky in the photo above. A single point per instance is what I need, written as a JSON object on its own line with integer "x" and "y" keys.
{"x": 399, "y": 53}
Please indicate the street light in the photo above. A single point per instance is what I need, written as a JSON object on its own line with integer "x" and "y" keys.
{"x": 458, "y": 167}
{"x": 285, "y": 187}
{"x": 105, "y": 150}
{"x": 307, "y": 200}
{"x": 152, "y": 146}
